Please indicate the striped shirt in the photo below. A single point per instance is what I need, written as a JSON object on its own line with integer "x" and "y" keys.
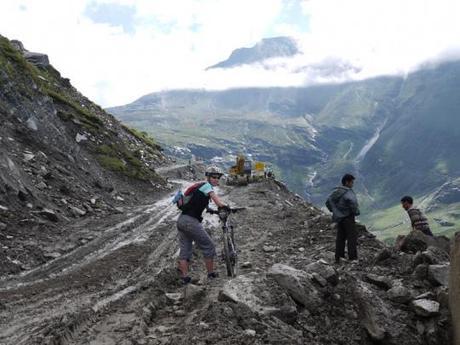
{"x": 419, "y": 221}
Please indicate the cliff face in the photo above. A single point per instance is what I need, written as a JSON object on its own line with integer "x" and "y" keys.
{"x": 61, "y": 157}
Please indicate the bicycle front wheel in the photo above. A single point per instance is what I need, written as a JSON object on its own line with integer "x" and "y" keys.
{"x": 229, "y": 261}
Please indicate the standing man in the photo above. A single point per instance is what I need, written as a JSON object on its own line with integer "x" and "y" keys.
{"x": 343, "y": 204}
{"x": 417, "y": 218}
{"x": 190, "y": 228}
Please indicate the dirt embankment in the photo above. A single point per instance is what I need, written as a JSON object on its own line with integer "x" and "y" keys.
{"x": 121, "y": 287}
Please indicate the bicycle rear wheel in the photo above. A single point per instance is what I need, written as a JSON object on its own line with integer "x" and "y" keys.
{"x": 229, "y": 261}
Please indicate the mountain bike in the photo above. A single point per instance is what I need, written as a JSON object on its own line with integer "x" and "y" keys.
{"x": 229, "y": 250}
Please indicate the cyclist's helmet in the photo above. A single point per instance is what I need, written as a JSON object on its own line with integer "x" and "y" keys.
{"x": 214, "y": 171}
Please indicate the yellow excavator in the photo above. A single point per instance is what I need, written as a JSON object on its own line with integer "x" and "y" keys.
{"x": 244, "y": 173}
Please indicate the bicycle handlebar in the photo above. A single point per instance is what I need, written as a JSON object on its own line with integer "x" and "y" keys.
{"x": 227, "y": 210}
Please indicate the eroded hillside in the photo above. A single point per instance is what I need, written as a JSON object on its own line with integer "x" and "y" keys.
{"x": 62, "y": 158}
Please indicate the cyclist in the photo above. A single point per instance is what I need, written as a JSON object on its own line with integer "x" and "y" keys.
{"x": 190, "y": 228}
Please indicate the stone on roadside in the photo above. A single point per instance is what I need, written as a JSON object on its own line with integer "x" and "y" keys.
{"x": 246, "y": 264}
{"x": 28, "y": 157}
{"x": 425, "y": 307}
{"x": 382, "y": 255}
{"x": 368, "y": 311}
{"x": 439, "y": 274}
{"x": 325, "y": 270}
{"x": 250, "y": 332}
{"x": 192, "y": 293}
{"x": 76, "y": 212}
{"x": 379, "y": 281}
{"x": 269, "y": 249}
{"x": 48, "y": 214}
{"x": 174, "y": 296}
{"x": 42, "y": 185}
{"x": 320, "y": 280}
{"x": 399, "y": 294}
{"x": 298, "y": 285}
{"x": 52, "y": 255}
{"x": 426, "y": 295}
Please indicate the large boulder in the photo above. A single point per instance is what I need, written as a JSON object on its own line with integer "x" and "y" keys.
{"x": 261, "y": 295}
{"x": 372, "y": 312}
{"x": 37, "y": 59}
{"x": 324, "y": 270}
{"x": 417, "y": 241}
{"x": 454, "y": 287}
{"x": 298, "y": 285}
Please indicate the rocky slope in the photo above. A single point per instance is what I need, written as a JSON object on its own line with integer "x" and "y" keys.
{"x": 62, "y": 158}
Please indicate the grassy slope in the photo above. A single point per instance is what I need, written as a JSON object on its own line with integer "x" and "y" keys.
{"x": 393, "y": 221}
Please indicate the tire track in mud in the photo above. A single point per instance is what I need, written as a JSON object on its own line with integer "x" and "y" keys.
{"x": 88, "y": 278}
{"x": 60, "y": 301}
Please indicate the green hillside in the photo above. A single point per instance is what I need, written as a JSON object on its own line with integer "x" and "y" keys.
{"x": 397, "y": 135}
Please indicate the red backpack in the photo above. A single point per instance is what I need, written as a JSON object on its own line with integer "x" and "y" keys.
{"x": 182, "y": 199}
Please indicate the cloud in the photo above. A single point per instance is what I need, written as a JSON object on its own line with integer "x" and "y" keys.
{"x": 115, "y": 51}
{"x": 160, "y": 51}
{"x": 112, "y": 14}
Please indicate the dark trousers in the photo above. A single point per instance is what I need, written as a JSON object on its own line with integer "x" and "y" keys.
{"x": 346, "y": 231}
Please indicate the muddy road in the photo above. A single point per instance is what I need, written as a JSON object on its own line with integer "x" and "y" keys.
{"x": 122, "y": 287}
{"x": 87, "y": 295}
{"x": 123, "y": 251}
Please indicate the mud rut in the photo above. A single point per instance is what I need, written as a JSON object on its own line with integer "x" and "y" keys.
{"x": 102, "y": 291}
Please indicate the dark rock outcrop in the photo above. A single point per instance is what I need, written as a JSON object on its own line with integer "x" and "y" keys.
{"x": 454, "y": 287}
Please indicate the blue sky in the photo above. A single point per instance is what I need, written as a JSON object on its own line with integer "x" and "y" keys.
{"x": 115, "y": 51}
{"x": 113, "y": 14}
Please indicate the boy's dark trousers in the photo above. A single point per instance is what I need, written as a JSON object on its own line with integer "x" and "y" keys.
{"x": 346, "y": 231}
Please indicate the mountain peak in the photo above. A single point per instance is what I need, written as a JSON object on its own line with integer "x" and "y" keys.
{"x": 267, "y": 48}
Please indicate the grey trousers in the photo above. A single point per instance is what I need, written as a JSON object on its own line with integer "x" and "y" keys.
{"x": 191, "y": 230}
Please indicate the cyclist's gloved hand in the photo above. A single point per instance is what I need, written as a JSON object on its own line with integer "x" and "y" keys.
{"x": 210, "y": 210}
{"x": 224, "y": 208}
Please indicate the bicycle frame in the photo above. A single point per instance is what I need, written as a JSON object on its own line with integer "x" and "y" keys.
{"x": 229, "y": 252}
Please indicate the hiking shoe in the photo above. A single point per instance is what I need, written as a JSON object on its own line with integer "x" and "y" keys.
{"x": 213, "y": 275}
{"x": 186, "y": 280}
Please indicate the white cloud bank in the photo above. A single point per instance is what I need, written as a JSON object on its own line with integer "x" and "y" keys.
{"x": 173, "y": 41}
